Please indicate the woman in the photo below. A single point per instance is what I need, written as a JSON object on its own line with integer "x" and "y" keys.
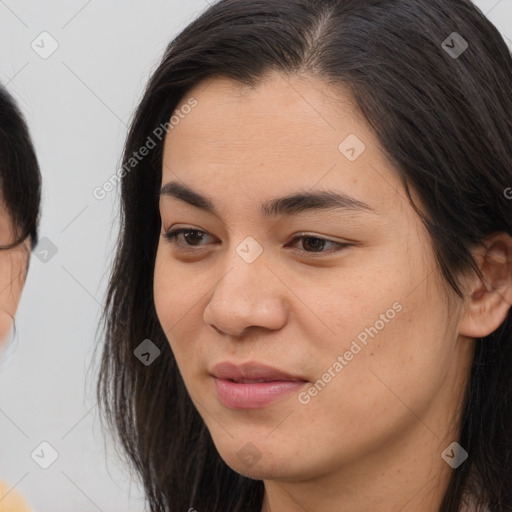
{"x": 20, "y": 185}
{"x": 310, "y": 303}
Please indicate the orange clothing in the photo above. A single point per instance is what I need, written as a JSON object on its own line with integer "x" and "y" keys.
{"x": 11, "y": 500}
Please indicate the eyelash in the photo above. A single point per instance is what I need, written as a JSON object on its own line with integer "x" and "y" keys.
{"x": 171, "y": 237}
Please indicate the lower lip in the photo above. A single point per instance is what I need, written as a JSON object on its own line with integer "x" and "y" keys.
{"x": 236, "y": 395}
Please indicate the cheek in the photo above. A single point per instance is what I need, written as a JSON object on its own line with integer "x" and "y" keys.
{"x": 172, "y": 291}
{"x": 385, "y": 385}
{"x": 162, "y": 292}
{"x": 13, "y": 264}
{"x": 403, "y": 360}
{"x": 392, "y": 331}
{"x": 177, "y": 297}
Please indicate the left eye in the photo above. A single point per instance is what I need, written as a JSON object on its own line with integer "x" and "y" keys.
{"x": 194, "y": 235}
{"x": 317, "y": 244}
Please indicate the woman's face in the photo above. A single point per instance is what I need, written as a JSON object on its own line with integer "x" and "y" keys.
{"x": 370, "y": 347}
{"x": 13, "y": 266}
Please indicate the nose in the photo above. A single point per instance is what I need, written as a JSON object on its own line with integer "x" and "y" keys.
{"x": 249, "y": 295}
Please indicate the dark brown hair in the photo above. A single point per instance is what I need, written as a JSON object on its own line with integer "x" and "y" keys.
{"x": 20, "y": 178}
{"x": 445, "y": 123}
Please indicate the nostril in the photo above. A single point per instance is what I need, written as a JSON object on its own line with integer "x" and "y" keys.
{"x": 216, "y": 329}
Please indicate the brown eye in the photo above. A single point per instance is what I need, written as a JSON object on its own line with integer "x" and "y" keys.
{"x": 316, "y": 245}
{"x": 191, "y": 236}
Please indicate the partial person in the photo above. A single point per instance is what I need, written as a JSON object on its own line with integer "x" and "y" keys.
{"x": 20, "y": 195}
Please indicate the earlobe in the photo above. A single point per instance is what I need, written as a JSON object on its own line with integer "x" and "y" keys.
{"x": 489, "y": 303}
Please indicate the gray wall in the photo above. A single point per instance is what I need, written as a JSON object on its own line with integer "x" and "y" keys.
{"x": 78, "y": 101}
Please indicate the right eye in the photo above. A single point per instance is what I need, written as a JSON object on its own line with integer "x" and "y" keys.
{"x": 189, "y": 235}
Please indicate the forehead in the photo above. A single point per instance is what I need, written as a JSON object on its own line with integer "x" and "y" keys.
{"x": 285, "y": 133}
{"x": 301, "y": 109}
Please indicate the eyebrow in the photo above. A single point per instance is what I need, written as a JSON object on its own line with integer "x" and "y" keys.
{"x": 292, "y": 204}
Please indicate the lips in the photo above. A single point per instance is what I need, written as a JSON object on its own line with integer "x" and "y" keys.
{"x": 252, "y": 385}
{"x": 251, "y": 373}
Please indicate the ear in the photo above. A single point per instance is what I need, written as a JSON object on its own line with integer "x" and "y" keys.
{"x": 489, "y": 302}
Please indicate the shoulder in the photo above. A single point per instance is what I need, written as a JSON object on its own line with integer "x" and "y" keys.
{"x": 11, "y": 500}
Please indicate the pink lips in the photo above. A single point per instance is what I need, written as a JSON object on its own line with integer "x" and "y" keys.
{"x": 236, "y": 387}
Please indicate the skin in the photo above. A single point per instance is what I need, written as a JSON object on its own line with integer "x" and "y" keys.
{"x": 13, "y": 267}
{"x": 372, "y": 438}
{"x": 13, "y": 270}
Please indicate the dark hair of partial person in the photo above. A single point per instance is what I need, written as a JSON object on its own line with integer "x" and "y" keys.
{"x": 444, "y": 123}
{"x": 20, "y": 178}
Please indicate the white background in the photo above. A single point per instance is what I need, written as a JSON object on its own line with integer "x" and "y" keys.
{"x": 77, "y": 103}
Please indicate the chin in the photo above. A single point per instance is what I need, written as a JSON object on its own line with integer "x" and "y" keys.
{"x": 265, "y": 465}
{"x": 259, "y": 471}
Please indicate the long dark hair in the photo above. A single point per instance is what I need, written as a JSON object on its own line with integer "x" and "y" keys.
{"x": 20, "y": 178}
{"x": 445, "y": 122}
